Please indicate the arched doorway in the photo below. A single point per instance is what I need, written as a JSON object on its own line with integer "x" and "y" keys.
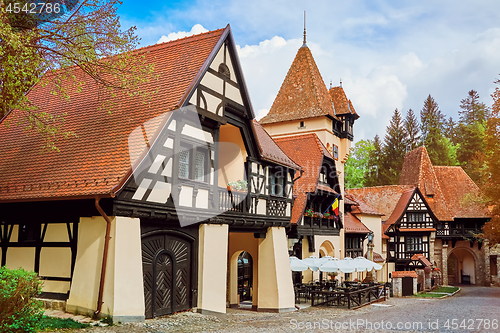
{"x": 245, "y": 276}
{"x": 462, "y": 266}
{"x": 326, "y": 249}
{"x": 167, "y": 259}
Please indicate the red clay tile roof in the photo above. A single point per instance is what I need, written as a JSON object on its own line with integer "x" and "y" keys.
{"x": 401, "y": 274}
{"x": 377, "y": 257}
{"x": 418, "y": 171}
{"x": 98, "y": 160}
{"x": 455, "y": 184}
{"x": 391, "y": 200}
{"x": 341, "y": 104}
{"x": 352, "y": 225}
{"x": 381, "y": 198}
{"x": 359, "y": 206}
{"x": 422, "y": 259}
{"x": 269, "y": 150}
{"x": 308, "y": 152}
{"x": 303, "y": 93}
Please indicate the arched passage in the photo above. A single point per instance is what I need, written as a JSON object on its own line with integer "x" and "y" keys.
{"x": 463, "y": 264}
{"x": 242, "y": 246}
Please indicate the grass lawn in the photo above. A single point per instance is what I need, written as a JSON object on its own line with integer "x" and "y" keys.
{"x": 428, "y": 295}
{"x": 52, "y": 323}
{"x": 448, "y": 290}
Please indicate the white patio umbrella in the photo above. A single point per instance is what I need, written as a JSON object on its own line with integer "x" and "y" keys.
{"x": 296, "y": 265}
{"x": 326, "y": 259}
{"x": 346, "y": 265}
{"x": 363, "y": 262}
{"x": 313, "y": 262}
{"x": 330, "y": 266}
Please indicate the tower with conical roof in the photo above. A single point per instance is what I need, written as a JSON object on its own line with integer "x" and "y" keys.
{"x": 305, "y": 105}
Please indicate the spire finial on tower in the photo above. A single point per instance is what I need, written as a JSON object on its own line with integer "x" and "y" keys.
{"x": 331, "y": 84}
{"x": 304, "y": 27}
{"x": 340, "y": 82}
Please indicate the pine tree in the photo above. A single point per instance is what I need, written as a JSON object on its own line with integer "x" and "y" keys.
{"x": 472, "y": 110}
{"x": 411, "y": 126}
{"x": 393, "y": 151}
{"x": 441, "y": 150}
{"x": 430, "y": 117}
{"x": 471, "y": 131}
{"x": 451, "y": 130}
{"x": 373, "y": 164}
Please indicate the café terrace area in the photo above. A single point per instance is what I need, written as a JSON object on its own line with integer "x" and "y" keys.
{"x": 329, "y": 292}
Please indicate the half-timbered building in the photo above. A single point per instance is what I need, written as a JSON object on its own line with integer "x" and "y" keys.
{"x": 134, "y": 217}
{"x": 461, "y": 257}
{"x": 427, "y": 216}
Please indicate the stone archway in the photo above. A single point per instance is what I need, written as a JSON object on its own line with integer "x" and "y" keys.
{"x": 464, "y": 266}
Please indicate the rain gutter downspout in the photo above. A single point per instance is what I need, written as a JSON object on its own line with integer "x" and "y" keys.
{"x": 104, "y": 254}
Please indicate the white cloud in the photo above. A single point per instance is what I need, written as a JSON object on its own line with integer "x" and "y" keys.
{"x": 196, "y": 29}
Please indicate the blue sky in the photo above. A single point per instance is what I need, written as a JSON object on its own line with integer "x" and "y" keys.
{"x": 389, "y": 54}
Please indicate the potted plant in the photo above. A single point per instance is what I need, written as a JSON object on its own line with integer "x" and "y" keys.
{"x": 309, "y": 212}
{"x": 327, "y": 216}
{"x": 237, "y": 186}
{"x": 332, "y": 275}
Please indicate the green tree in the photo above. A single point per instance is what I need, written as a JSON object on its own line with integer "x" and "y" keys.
{"x": 471, "y": 131}
{"x": 472, "y": 110}
{"x": 357, "y": 164}
{"x": 451, "y": 130}
{"x": 441, "y": 150}
{"x": 491, "y": 174}
{"x": 39, "y": 50}
{"x": 374, "y": 164}
{"x": 430, "y": 117}
{"x": 412, "y": 129}
{"x": 393, "y": 151}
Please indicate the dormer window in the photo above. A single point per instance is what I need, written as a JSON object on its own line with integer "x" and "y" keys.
{"x": 302, "y": 125}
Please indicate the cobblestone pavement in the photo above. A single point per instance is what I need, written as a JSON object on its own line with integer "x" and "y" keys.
{"x": 473, "y": 309}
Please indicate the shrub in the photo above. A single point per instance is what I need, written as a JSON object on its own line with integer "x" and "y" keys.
{"x": 19, "y": 311}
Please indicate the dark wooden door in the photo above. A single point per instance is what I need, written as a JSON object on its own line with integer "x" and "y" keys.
{"x": 407, "y": 288}
{"x": 167, "y": 274}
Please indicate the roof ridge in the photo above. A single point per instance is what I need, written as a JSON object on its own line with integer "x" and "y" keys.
{"x": 294, "y": 137}
{"x": 153, "y": 47}
{"x": 315, "y": 84}
{"x": 181, "y": 40}
{"x": 321, "y": 145}
{"x": 254, "y": 121}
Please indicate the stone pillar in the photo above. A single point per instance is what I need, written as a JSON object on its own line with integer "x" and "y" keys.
{"x": 487, "y": 272}
{"x": 275, "y": 292}
{"x": 123, "y": 293}
{"x": 444, "y": 266}
{"x": 212, "y": 268}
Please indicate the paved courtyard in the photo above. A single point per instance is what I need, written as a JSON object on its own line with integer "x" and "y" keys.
{"x": 473, "y": 309}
